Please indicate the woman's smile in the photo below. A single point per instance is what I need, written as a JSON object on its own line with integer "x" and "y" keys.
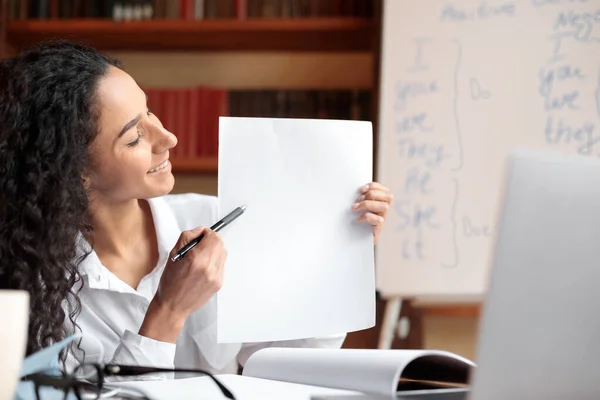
{"x": 161, "y": 167}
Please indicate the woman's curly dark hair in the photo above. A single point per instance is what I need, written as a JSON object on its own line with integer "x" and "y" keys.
{"x": 48, "y": 118}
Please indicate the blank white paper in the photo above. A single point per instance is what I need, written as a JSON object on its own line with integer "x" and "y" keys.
{"x": 299, "y": 265}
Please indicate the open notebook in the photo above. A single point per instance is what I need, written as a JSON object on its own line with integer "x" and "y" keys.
{"x": 302, "y": 373}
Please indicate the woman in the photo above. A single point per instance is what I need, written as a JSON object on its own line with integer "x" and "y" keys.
{"x": 86, "y": 225}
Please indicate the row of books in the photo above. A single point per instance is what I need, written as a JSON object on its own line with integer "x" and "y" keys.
{"x": 186, "y": 9}
{"x": 192, "y": 114}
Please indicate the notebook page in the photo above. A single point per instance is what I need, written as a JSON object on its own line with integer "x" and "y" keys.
{"x": 364, "y": 370}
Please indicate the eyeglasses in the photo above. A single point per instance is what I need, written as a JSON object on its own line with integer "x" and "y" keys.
{"x": 88, "y": 381}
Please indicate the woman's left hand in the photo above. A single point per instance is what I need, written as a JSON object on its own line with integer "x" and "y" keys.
{"x": 374, "y": 200}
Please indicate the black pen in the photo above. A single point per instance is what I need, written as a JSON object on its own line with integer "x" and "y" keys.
{"x": 216, "y": 228}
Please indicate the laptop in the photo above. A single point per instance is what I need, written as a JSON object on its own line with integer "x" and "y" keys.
{"x": 539, "y": 336}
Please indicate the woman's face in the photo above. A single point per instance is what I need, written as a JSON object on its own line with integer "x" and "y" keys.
{"x": 131, "y": 151}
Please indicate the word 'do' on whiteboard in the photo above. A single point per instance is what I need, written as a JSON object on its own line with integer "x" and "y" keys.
{"x": 463, "y": 83}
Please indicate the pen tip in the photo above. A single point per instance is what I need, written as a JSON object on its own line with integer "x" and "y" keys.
{"x": 243, "y": 208}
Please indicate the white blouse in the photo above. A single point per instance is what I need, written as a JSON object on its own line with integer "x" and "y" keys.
{"x": 112, "y": 311}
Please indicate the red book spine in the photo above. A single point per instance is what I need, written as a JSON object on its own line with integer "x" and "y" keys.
{"x": 241, "y": 9}
{"x": 337, "y": 8}
{"x": 186, "y": 9}
{"x": 203, "y": 120}
{"x": 54, "y": 9}
{"x": 181, "y": 125}
{"x": 193, "y": 121}
{"x": 211, "y": 112}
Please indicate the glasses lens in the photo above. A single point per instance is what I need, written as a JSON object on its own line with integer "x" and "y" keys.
{"x": 87, "y": 372}
{"x": 89, "y": 381}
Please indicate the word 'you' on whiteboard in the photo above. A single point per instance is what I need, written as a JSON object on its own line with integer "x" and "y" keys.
{"x": 462, "y": 84}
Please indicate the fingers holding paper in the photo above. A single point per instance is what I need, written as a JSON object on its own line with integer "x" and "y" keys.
{"x": 374, "y": 202}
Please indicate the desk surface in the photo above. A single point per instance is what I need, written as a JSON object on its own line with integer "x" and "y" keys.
{"x": 446, "y": 394}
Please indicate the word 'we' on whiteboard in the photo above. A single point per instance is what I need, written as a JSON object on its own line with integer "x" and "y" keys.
{"x": 462, "y": 83}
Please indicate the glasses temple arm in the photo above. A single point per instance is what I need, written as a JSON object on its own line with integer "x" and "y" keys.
{"x": 128, "y": 370}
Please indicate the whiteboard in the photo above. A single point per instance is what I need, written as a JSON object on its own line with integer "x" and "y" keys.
{"x": 462, "y": 84}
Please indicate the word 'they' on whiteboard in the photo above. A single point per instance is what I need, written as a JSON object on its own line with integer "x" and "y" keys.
{"x": 462, "y": 83}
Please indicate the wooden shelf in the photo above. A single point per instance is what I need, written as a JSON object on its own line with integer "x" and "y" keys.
{"x": 469, "y": 311}
{"x": 314, "y": 34}
{"x": 195, "y": 165}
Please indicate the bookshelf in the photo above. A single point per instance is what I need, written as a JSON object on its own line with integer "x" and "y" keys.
{"x": 328, "y": 35}
{"x": 342, "y": 34}
{"x": 203, "y": 165}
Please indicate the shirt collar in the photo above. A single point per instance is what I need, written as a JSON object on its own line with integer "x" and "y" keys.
{"x": 165, "y": 224}
{"x": 167, "y": 234}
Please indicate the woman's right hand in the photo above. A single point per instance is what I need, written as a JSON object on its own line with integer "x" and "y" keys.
{"x": 185, "y": 285}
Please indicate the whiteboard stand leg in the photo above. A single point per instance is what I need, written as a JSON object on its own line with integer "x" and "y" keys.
{"x": 393, "y": 307}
